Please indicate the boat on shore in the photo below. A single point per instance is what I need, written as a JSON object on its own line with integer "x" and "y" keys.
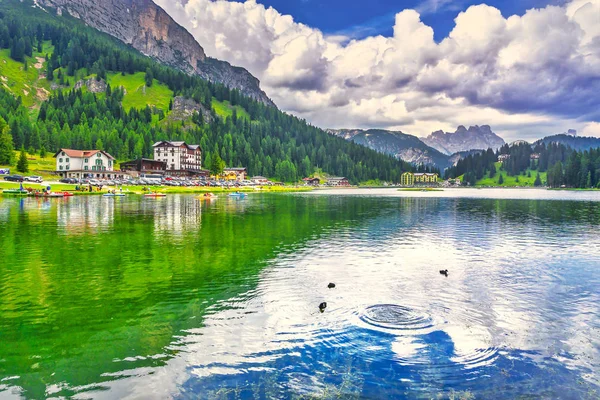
{"x": 49, "y": 195}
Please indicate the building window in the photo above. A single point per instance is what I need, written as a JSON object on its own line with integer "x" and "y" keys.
{"x": 109, "y": 163}
{"x": 60, "y": 160}
{"x": 60, "y": 168}
{"x": 85, "y": 168}
{"x": 93, "y": 168}
{"x": 66, "y": 160}
{"x": 99, "y": 155}
{"x": 68, "y": 167}
{"x": 86, "y": 160}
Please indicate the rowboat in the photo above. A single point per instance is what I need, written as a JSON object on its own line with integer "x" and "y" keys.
{"x": 207, "y": 196}
{"x": 49, "y": 195}
{"x": 238, "y": 195}
{"x": 113, "y": 195}
{"x": 16, "y": 192}
{"x": 155, "y": 195}
{"x": 68, "y": 194}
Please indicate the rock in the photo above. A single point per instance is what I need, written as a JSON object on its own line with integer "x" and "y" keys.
{"x": 331, "y": 285}
{"x": 184, "y": 108}
{"x": 150, "y": 30}
{"x": 463, "y": 139}
{"x": 92, "y": 84}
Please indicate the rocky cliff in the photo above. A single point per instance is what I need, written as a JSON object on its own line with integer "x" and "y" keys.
{"x": 150, "y": 30}
{"x": 476, "y": 137}
{"x": 406, "y": 147}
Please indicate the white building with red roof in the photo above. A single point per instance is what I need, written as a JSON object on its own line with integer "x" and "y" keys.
{"x": 85, "y": 164}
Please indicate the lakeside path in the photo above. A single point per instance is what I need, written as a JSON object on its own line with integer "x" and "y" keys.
{"x": 474, "y": 193}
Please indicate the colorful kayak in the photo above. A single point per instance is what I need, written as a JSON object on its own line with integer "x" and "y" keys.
{"x": 238, "y": 195}
{"x": 68, "y": 194}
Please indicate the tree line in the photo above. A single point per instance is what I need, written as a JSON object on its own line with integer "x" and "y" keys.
{"x": 564, "y": 166}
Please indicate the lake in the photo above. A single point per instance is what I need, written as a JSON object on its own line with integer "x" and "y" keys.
{"x": 184, "y": 298}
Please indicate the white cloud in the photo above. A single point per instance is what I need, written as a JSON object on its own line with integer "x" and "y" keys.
{"x": 534, "y": 74}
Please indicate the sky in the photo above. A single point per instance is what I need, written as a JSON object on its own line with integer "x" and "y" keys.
{"x": 527, "y": 68}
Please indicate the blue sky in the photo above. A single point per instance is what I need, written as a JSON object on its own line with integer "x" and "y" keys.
{"x": 359, "y": 19}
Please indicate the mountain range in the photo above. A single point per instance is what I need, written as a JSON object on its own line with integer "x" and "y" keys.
{"x": 150, "y": 30}
{"x": 401, "y": 145}
{"x": 439, "y": 149}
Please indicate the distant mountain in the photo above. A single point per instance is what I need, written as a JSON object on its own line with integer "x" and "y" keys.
{"x": 150, "y": 30}
{"x": 575, "y": 142}
{"x": 406, "y": 147}
{"x": 476, "y": 137}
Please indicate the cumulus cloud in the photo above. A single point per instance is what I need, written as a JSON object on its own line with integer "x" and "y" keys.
{"x": 525, "y": 75}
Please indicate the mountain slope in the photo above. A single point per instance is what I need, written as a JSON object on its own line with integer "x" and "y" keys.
{"x": 406, "y": 147}
{"x": 85, "y": 89}
{"x": 463, "y": 139}
{"x": 149, "y": 29}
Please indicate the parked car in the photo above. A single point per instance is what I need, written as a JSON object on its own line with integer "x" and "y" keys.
{"x": 37, "y": 179}
{"x": 14, "y": 178}
{"x": 68, "y": 180}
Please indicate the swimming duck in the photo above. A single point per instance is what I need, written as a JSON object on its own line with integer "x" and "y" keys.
{"x": 331, "y": 285}
{"x": 322, "y": 306}
{"x": 444, "y": 272}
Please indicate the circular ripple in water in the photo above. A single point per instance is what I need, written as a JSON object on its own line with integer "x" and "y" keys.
{"x": 397, "y": 318}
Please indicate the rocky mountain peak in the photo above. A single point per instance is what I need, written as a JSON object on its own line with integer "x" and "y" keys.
{"x": 150, "y": 30}
{"x": 463, "y": 139}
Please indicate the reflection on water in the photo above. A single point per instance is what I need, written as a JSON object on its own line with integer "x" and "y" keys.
{"x": 219, "y": 299}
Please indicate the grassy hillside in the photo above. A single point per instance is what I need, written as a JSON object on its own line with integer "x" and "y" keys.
{"x": 224, "y": 109}
{"x": 36, "y": 165}
{"x": 30, "y": 85}
{"x": 510, "y": 181}
{"x": 137, "y": 94}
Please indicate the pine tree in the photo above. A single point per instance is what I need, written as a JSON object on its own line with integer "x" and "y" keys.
{"x": 149, "y": 77}
{"x": 217, "y": 164}
{"x": 538, "y": 180}
{"x": 501, "y": 180}
{"x": 43, "y": 152}
{"x": 23, "y": 164}
{"x": 7, "y": 150}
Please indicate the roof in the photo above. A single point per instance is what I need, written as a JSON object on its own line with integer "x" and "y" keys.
{"x": 234, "y": 169}
{"x": 258, "y": 177}
{"x": 425, "y": 173}
{"x": 82, "y": 153}
{"x": 176, "y": 144}
{"x": 337, "y": 179}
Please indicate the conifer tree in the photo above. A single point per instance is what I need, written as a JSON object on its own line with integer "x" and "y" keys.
{"x": 23, "y": 164}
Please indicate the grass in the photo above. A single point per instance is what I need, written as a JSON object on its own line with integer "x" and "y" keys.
{"x": 224, "y": 109}
{"x": 19, "y": 82}
{"x": 36, "y": 166}
{"x": 509, "y": 181}
{"x": 157, "y": 95}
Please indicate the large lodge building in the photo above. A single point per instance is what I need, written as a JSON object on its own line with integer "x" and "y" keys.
{"x": 181, "y": 159}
